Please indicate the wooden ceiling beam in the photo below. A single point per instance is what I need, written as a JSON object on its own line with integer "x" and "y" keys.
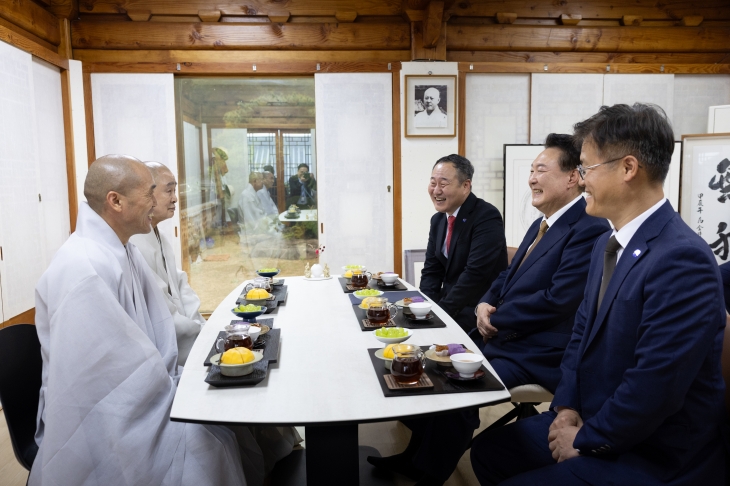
{"x": 616, "y": 9}
{"x": 139, "y": 15}
{"x": 152, "y": 35}
{"x": 279, "y": 17}
{"x": 506, "y": 17}
{"x": 603, "y": 39}
{"x": 209, "y": 15}
{"x": 432, "y": 23}
{"x": 33, "y": 18}
{"x": 250, "y": 7}
{"x": 65, "y": 9}
{"x": 348, "y": 16}
{"x": 590, "y": 57}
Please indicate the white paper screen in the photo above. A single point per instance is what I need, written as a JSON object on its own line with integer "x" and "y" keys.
{"x": 134, "y": 114}
{"x": 693, "y": 96}
{"x": 561, "y": 100}
{"x": 497, "y": 112}
{"x": 52, "y": 156}
{"x": 20, "y": 211}
{"x": 628, "y": 89}
{"x": 193, "y": 165}
{"x": 355, "y": 167}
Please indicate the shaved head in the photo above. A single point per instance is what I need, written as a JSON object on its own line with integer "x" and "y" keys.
{"x": 157, "y": 169}
{"x": 120, "y": 189}
{"x": 118, "y": 173}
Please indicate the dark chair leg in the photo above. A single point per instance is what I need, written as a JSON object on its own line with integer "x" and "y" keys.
{"x": 521, "y": 411}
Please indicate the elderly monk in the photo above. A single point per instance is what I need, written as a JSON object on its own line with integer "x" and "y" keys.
{"x": 181, "y": 300}
{"x": 110, "y": 356}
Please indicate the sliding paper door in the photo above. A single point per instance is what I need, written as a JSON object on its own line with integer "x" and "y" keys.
{"x": 134, "y": 114}
{"x": 355, "y": 169}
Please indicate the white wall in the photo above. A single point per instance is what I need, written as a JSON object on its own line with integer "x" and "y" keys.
{"x": 78, "y": 124}
{"x": 417, "y": 158}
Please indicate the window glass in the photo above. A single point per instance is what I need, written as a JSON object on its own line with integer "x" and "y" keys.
{"x": 247, "y": 179}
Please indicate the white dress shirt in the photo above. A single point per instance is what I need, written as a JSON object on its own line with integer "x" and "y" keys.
{"x": 624, "y": 235}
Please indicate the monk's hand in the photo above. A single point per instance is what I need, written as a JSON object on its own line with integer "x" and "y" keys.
{"x": 567, "y": 417}
{"x": 484, "y": 325}
{"x": 560, "y": 442}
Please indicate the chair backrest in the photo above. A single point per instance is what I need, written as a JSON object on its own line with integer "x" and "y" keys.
{"x": 726, "y": 365}
{"x": 411, "y": 257}
{"x": 21, "y": 367}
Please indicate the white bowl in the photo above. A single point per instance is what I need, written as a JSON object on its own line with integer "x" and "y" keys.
{"x": 236, "y": 369}
{"x": 467, "y": 363}
{"x": 394, "y": 340}
{"x": 379, "y": 293}
{"x": 254, "y": 332}
{"x": 389, "y": 278}
{"x": 420, "y": 309}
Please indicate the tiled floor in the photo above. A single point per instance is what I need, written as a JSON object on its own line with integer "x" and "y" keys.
{"x": 388, "y": 437}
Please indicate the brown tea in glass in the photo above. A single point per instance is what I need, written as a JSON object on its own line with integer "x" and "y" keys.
{"x": 238, "y": 341}
{"x": 406, "y": 371}
{"x": 408, "y": 364}
{"x": 378, "y": 315}
{"x": 359, "y": 280}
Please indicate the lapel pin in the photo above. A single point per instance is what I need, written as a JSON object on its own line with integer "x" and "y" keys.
{"x": 463, "y": 220}
{"x": 637, "y": 253}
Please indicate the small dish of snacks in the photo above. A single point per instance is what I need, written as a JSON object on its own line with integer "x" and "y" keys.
{"x": 392, "y": 335}
{"x": 361, "y": 294}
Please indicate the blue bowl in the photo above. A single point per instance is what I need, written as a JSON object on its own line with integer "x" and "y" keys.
{"x": 268, "y": 274}
{"x": 250, "y": 316}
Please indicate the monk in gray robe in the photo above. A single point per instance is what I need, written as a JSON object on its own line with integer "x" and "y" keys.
{"x": 181, "y": 300}
{"x": 110, "y": 356}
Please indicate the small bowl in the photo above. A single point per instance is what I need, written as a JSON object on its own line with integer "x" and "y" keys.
{"x": 394, "y": 340}
{"x": 386, "y": 361}
{"x": 254, "y": 332}
{"x": 236, "y": 369}
{"x": 420, "y": 309}
{"x": 389, "y": 278}
{"x": 268, "y": 274}
{"x": 250, "y": 315}
{"x": 379, "y": 293}
{"x": 362, "y": 268}
{"x": 467, "y": 363}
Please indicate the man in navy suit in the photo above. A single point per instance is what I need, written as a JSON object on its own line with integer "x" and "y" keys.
{"x": 466, "y": 251}
{"x": 527, "y": 315}
{"x": 466, "y": 244}
{"x": 641, "y": 397}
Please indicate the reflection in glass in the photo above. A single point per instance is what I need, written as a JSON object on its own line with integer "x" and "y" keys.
{"x": 247, "y": 174}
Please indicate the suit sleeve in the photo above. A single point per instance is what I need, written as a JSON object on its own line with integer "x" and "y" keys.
{"x": 491, "y": 296}
{"x": 556, "y": 303}
{"x": 485, "y": 249}
{"x": 679, "y": 324}
{"x": 432, "y": 275}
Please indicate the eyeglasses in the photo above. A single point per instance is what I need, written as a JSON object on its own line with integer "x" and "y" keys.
{"x": 582, "y": 170}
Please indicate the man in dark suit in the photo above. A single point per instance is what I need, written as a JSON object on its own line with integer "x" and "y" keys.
{"x": 725, "y": 272}
{"x": 302, "y": 188}
{"x": 527, "y": 315}
{"x": 641, "y": 397}
{"x": 466, "y": 251}
{"x": 466, "y": 245}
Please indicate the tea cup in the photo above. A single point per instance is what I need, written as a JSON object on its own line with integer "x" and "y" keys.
{"x": 389, "y": 278}
{"x": 466, "y": 363}
{"x": 420, "y": 309}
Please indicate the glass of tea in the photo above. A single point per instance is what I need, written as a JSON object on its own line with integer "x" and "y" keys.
{"x": 236, "y": 337}
{"x": 408, "y": 363}
{"x": 359, "y": 279}
{"x": 380, "y": 311}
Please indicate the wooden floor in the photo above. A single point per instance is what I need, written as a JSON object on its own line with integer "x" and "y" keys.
{"x": 388, "y": 437}
{"x": 11, "y": 472}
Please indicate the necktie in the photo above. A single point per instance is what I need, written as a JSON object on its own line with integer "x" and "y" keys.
{"x": 449, "y": 231}
{"x": 609, "y": 265}
{"x": 543, "y": 229}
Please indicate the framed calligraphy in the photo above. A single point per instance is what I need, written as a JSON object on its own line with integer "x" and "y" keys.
{"x": 705, "y": 191}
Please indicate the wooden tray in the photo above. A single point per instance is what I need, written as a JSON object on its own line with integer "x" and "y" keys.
{"x": 270, "y": 344}
{"x": 400, "y": 321}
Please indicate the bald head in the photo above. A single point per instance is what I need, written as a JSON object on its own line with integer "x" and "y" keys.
{"x": 119, "y": 188}
{"x": 157, "y": 169}
{"x": 118, "y": 173}
{"x": 431, "y": 99}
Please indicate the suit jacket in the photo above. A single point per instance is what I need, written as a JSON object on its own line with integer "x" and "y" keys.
{"x": 643, "y": 371}
{"x": 725, "y": 272}
{"x": 477, "y": 254}
{"x": 536, "y": 302}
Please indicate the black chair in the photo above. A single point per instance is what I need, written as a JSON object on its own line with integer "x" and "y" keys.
{"x": 21, "y": 367}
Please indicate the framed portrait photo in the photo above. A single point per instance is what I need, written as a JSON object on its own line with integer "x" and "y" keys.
{"x": 430, "y": 107}
{"x": 705, "y": 200}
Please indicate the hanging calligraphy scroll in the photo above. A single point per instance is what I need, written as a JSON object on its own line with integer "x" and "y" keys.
{"x": 705, "y": 203}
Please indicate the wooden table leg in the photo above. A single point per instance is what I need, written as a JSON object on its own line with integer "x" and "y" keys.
{"x": 332, "y": 455}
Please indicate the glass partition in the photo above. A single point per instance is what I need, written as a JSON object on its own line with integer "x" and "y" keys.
{"x": 247, "y": 179}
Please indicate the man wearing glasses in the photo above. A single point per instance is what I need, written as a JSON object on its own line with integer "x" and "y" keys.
{"x": 641, "y": 399}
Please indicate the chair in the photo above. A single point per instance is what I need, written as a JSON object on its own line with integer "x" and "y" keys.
{"x": 21, "y": 367}
{"x": 411, "y": 257}
{"x": 725, "y": 360}
{"x": 511, "y": 250}
{"x": 524, "y": 399}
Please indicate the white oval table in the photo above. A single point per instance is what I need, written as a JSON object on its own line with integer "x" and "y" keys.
{"x": 323, "y": 380}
